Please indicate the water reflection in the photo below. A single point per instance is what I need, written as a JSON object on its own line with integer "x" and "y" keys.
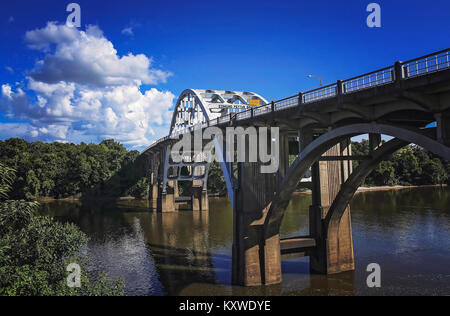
{"x": 189, "y": 253}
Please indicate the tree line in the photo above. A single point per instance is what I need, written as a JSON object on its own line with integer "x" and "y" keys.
{"x": 411, "y": 165}
{"x": 58, "y": 170}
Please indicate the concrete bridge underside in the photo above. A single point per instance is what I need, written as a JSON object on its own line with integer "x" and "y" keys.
{"x": 408, "y": 108}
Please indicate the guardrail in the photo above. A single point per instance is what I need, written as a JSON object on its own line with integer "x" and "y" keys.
{"x": 376, "y": 78}
{"x": 427, "y": 64}
{"x": 286, "y": 103}
{"x": 326, "y": 92}
{"x": 400, "y": 71}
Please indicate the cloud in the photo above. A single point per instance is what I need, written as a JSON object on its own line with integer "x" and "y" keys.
{"x": 82, "y": 90}
{"x": 9, "y": 69}
{"x": 11, "y": 19}
{"x": 128, "y": 31}
{"x": 88, "y": 58}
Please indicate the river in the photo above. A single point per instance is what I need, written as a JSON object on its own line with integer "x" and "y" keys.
{"x": 406, "y": 232}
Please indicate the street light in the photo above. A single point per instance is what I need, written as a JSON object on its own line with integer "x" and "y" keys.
{"x": 320, "y": 79}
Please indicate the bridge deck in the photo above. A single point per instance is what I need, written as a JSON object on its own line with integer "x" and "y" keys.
{"x": 344, "y": 100}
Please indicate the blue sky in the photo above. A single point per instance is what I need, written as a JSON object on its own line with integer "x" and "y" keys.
{"x": 263, "y": 46}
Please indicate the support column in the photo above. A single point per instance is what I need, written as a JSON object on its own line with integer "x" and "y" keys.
{"x": 167, "y": 203}
{"x": 166, "y": 196}
{"x": 443, "y": 128}
{"x": 256, "y": 251}
{"x": 152, "y": 182}
{"x": 153, "y": 194}
{"x": 200, "y": 199}
{"x": 328, "y": 177}
{"x": 256, "y": 259}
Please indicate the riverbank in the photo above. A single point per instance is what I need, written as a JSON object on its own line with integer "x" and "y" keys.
{"x": 385, "y": 188}
{"x": 215, "y": 196}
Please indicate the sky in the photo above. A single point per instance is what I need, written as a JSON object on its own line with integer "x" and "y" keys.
{"x": 119, "y": 74}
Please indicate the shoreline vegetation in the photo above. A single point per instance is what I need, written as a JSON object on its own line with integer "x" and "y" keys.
{"x": 57, "y": 171}
{"x": 37, "y": 252}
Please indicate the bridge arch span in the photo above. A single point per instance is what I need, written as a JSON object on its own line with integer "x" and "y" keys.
{"x": 322, "y": 144}
{"x": 339, "y": 258}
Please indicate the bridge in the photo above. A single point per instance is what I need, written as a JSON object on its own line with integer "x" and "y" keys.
{"x": 408, "y": 101}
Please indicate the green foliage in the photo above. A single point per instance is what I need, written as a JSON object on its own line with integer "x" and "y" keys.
{"x": 216, "y": 180}
{"x": 140, "y": 189}
{"x": 411, "y": 165}
{"x": 34, "y": 251}
{"x": 384, "y": 174}
{"x": 67, "y": 170}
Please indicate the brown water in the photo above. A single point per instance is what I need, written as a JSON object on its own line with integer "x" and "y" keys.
{"x": 406, "y": 232}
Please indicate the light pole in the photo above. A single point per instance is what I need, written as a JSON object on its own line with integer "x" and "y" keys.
{"x": 320, "y": 79}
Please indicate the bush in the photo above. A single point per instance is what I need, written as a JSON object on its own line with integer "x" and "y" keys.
{"x": 35, "y": 251}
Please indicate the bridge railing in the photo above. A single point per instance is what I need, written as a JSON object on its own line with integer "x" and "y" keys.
{"x": 400, "y": 71}
{"x": 370, "y": 80}
{"x": 262, "y": 110}
{"x": 244, "y": 115}
{"x": 286, "y": 103}
{"x": 326, "y": 92}
{"x": 427, "y": 64}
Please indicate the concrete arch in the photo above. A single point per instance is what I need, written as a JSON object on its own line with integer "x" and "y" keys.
{"x": 318, "y": 147}
{"x": 339, "y": 207}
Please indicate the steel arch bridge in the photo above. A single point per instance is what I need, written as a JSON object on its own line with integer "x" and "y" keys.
{"x": 408, "y": 101}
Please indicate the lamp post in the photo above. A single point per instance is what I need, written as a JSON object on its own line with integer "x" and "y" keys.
{"x": 320, "y": 79}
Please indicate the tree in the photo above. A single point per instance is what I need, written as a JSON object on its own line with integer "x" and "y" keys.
{"x": 408, "y": 167}
{"x": 216, "y": 180}
{"x": 35, "y": 251}
{"x": 384, "y": 174}
{"x": 434, "y": 172}
{"x": 33, "y": 186}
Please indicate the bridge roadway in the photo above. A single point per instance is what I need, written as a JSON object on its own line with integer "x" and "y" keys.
{"x": 408, "y": 101}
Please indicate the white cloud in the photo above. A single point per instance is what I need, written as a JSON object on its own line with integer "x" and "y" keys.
{"x": 128, "y": 31}
{"x": 82, "y": 90}
{"x": 6, "y": 91}
{"x": 88, "y": 58}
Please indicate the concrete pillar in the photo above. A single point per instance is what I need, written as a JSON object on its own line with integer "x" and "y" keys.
{"x": 166, "y": 201}
{"x": 256, "y": 251}
{"x": 176, "y": 192}
{"x": 200, "y": 200}
{"x": 153, "y": 195}
{"x": 443, "y": 128}
{"x": 334, "y": 253}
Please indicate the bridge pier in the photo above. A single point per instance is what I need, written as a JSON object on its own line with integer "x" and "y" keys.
{"x": 153, "y": 195}
{"x": 200, "y": 199}
{"x": 256, "y": 257}
{"x": 168, "y": 198}
{"x": 153, "y": 180}
{"x": 334, "y": 251}
{"x": 256, "y": 249}
{"x": 443, "y": 128}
